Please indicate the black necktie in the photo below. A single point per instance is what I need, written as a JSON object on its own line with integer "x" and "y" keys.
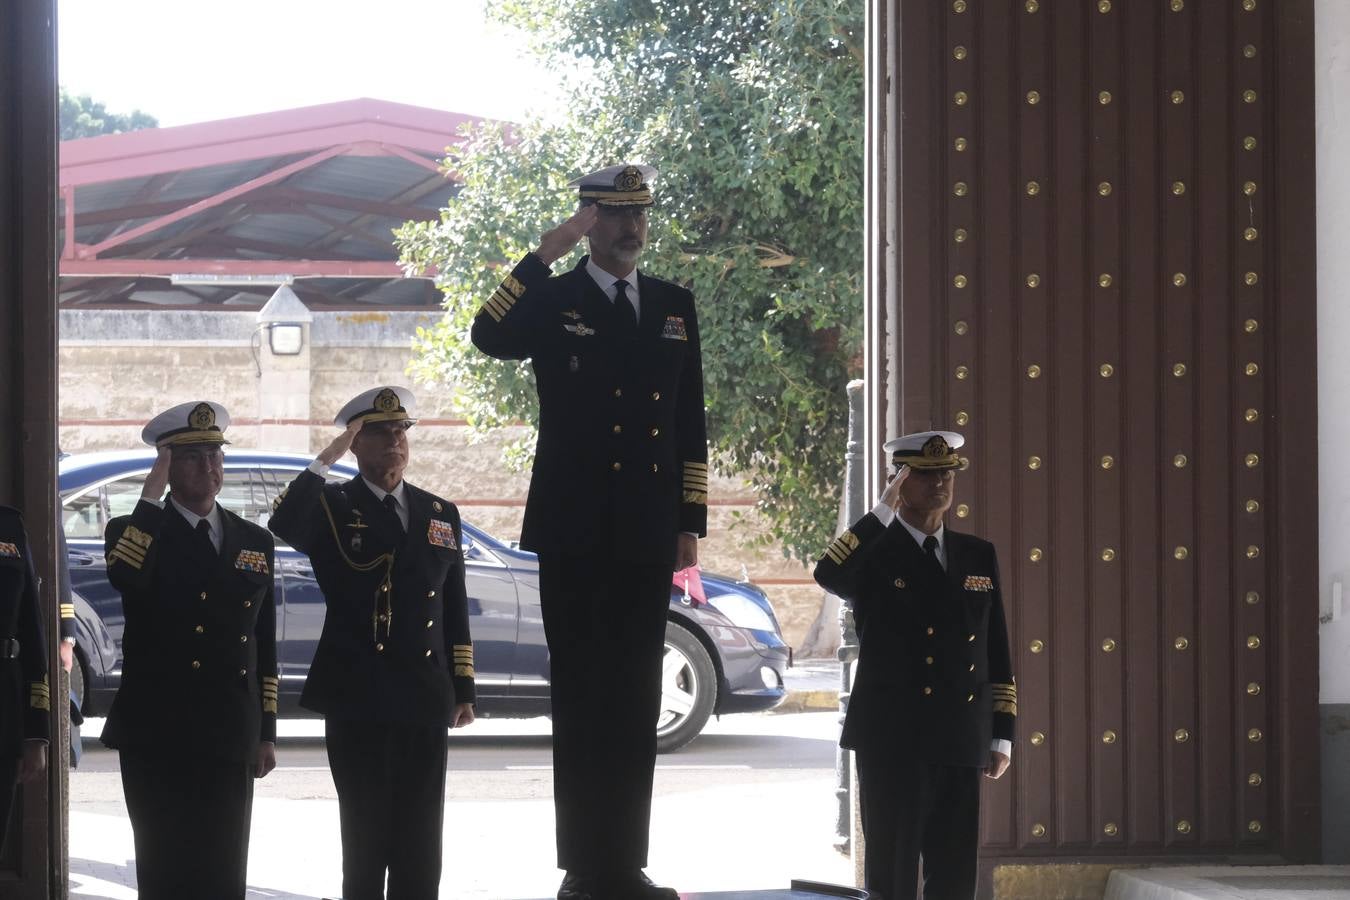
{"x": 204, "y": 536}
{"x": 624, "y": 307}
{"x": 392, "y": 505}
{"x": 930, "y": 548}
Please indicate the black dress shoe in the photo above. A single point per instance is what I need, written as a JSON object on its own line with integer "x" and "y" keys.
{"x": 579, "y": 886}
{"x": 635, "y": 885}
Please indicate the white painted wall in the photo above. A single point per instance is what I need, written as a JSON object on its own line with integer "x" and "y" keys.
{"x": 1333, "y": 337}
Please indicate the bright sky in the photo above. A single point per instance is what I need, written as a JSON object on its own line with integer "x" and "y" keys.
{"x": 191, "y": 62}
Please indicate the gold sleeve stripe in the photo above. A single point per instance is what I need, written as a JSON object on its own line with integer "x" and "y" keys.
{"x": 271, "y": 680}
{"x": 842, "y": 547}
{"x": 464, "y": 671}
{"x": 1003, "y": 706}
{"x": 67, "y": 610}
{"x": 514, "y": 287}
{"x": 136, "y": 536}
{"x": 269, "y": 706}
{"x": 699, "y": 498}
{"x": 282, "y": 496}
{"x": 39, "y": 694}
{"x": 117, "y": 554}
{"x": 133, "y": 549}
{"x": 504, "y": 299}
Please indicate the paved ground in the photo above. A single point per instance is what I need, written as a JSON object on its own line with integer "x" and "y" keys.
{"x": 749, "y": 805}
{"x": 1231, "y": 883}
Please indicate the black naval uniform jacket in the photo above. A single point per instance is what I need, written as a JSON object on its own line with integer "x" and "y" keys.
{"x": 200, "y": 649}
{"x": 621, "y": 465}
{"x": 934, "y": 679}
{"x": 395, "y": 645}
{"x": 25, "y": 696}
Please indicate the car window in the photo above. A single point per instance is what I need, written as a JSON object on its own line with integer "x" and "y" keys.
{"x": 242, "y": 493}
{"x": 82, "y": 517}
{"x": 122, "y": 495}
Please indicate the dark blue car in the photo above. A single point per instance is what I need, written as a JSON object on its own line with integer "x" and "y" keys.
{"x": 721, "y": 657}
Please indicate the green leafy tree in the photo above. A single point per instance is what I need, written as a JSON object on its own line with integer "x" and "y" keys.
{"x": 753, "y": 114}
{"x": 83, "y": 116}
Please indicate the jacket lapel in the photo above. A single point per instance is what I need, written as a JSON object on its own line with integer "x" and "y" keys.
{"x": 595, "y": 306}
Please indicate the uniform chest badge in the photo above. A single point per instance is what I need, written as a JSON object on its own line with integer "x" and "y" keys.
{"x": 673, "y": 329}
{"x": 900, "y": 582}
{"x": 571, "y": 314}
{"x": 441, "y": 534}
{"x": 979, "y": 583}
{"x": 8, "y": 551}
{"x": 251, "y": 561}
{"x": 580, "y": 329}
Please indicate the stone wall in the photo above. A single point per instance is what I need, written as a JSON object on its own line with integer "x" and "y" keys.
{"x": 118, "y": 368}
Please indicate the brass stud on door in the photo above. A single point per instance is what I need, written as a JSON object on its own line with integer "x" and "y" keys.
{"x": 1253, "y": 689}
{"x": 1249, "y": 234}
{"x": 960, "y": 145}
{"x": 1108, "y": 555}
{"x": 1249, "y": 96}
{"x": 963, "y": 418}
{"x": 958, "y": 6}
{"x": 1110, "y": 829}
{"x": 1037, "y": 738}
{"x": 1252, "y": 369}
{"x": 1178, "y": 98}
{"x": 1179, "y": 461}
{"x": 1106, "y": 370}
{"x": 960, "y": 235}
{"x": 1036, "y": 646}
{"x": 1179, "y": 370}
{"x": 1249, "y": 143}
{"x": 1252, "y": 460}
{"x": 1033, "y": 97}
{"x": 1253, "y": 642}
{"x": 1181, "y": 553}
{"x": 1248, "y": 5}
{"x": 1254, "y": 735}
{"x": 1033, "y": 188}
{"x": 1250, "y": 279}
{"x": 1033, "y": 371}
{"x": 1252, "y": 506}
{"x": 962, "y": 511}
{"x": 1033, "y": 280}
{"x": 1253, "y": 551}
{"x": 1251, "y": 415}
{"x": 960, "y": 98}
{"x": 1036, "y": 554}
{"x": 960, "y": 189}
{"x": 1108, "y": 462}
{"x": 1103, "y": 6}
{"x": 1179, "y": 279}
{"x": 962, "y": 373}
{"x": 1255, "y": 779}
{"x": 1104, "y": 189}
{"x": 1032, "y": 6}
{"x": 961, "y": 326}
{"x": 1033, "y": 463}
{"x": 960, "y": 281}
{"x": 1183, "y": 827}
{"x": 1249, "y": 188}
{"x": 1249, "y": 51}
{"x": 1108, "y": 737}
{"x": 1181, "y": 643}
{"x": 1178, "y": 188}
{"x": 1254, "y": 826}
{"x": 1181, "y": 735}
{"x": 1108, "y": 645}
{"x": 1104, "y": 98}
{"x": 1178, "y": 5}
{"x": 1252, "y": 598}
{"x": 1038, "y": 830}
{"x": 959, "y": 52}
{"x": 1250, "y": 326}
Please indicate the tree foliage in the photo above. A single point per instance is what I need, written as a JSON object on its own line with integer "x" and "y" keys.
{"x": 753, "y": 114}
{"x": 82, "y": 116}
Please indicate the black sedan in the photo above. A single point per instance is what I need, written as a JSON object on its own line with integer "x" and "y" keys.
{"x": 723, "y": 656}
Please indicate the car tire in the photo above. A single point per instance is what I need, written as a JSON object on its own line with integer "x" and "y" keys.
{"x": 688, "y": 690}
{"x": 78, "y": 684}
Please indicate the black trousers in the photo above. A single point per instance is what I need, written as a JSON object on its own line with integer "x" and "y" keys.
{"x": 190, "y": 818}
{"x": 606, "y": 626}
{"x": 9, "y": 770}
{"x": 912, "y": 812}
{"x": 390, "y": 780}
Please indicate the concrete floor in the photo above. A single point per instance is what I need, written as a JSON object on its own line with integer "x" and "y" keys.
{"x": 1231, "y": 883}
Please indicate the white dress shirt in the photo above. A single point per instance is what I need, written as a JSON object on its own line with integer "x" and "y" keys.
{"x": 214, "y": 520}
{"x": 606, "y": 282}
{"x": 400, "y": 504}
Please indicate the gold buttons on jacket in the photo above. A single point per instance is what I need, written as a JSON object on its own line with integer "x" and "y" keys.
{"x": 199, "y": 629}
{"x": 655, "y": 467}
{"x": 970, "y": 637}
{"x": 196, "y": 664}
{"x": 930, "y": 630}
{"x": 203, "y": 595}
{"x": 618, "y": 429}
{"x": 927, "y": 691}
{"x": 656, "y": 395}
{"x": 656, "y": 432}
{"x": 243, "y": 673}
{"x": 972, "y": 667}
{"x": 928, "y": 660}
{"x": 430, "y": 622}
{"x": 382, "y": 617}
{"x": 970, "y": 698}
{"x": 243, "y": 639}
{"x": 428, "y": 653}
{"x": 384, "y": 588}
{"x": 430, "y": 594}
{"x": 247, "y": 604}
{"x": 616, "y": 466}
{"x": 379, "y": 648}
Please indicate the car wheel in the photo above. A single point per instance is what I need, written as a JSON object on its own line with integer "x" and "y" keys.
{"x": 688, "y": 690}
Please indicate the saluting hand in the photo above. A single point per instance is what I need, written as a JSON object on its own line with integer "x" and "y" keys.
{"x": 891, "y": 496}
{"x": 556, "y": 242}
{"x": 341, "y": 444}
{"x": 158, "y": 479}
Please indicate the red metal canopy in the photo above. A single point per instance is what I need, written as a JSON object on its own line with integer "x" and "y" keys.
{"x": 221, "y": 212}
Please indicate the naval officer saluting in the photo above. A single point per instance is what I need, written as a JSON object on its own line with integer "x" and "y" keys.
{"x": 394, "y": 665}
{"x": 933, "y": 701}
{"x": 618, "y": 498}
{"x": 195, "y": 716}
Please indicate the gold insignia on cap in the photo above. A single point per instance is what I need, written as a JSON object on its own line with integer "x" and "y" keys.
{"x": 630, "y": 179}
{"x": 936, "y": 448}
{"x": 386, "y": 401}
{"x": 202, "y": 416}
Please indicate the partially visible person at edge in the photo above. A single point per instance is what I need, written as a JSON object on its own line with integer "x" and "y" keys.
{"x": 195, "y": 716}
{"x": 25, "y": 696}
{"x": 934, "y": 700}
{"x": 618, "y": 498}
{"x": 394, "y": 665}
